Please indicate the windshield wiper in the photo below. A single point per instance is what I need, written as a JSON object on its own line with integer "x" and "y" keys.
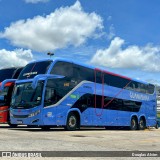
{"x": 25, "y": 105}
{"x": 19, "y": 105}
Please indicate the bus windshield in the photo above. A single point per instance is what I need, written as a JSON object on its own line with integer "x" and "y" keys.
{"x": 24, "y": 96}
{"x": 56, "y": 89}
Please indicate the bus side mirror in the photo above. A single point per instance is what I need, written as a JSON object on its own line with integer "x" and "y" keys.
{"x": 2, "y": 98}
{"x": 5, "y": 98}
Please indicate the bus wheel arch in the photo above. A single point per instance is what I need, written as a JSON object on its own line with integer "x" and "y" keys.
{"x": 134, "y": 123}
{"x": 73, "y": 121}
{"x": 142, "y": 123}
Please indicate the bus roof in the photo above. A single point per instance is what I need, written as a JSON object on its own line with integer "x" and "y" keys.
{"x": 10, "y": 72}
{"x": 89, "y": 66}
{"x": 8, "y": 68}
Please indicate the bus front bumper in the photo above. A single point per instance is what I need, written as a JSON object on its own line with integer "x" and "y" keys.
{"x": 26, "y": 117}
{"x": 4, "y": 114}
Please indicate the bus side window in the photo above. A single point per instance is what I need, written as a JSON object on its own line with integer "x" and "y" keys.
{"x": 136, "y": 87}
{"x": 76, "y": 75}
{"x": 150, "y": 89}
{"x": 133, "y": 86}
{"x": 50, "y": 97}
{"x": 82, "y": 73}
{"x": 83, "y": 101}
{"x": 98, "y": 77}
{"x": 63, "y": 68}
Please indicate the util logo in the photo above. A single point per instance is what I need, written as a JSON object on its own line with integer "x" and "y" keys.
{"x": 19, "y": 110}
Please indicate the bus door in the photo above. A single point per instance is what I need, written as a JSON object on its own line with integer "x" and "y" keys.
{"x": 99, "y": 113}
{"x": 85, "y": 105}
{"x": 84, "y": 93}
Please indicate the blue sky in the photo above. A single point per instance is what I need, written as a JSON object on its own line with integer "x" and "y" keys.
{"x": 122, "y": 36}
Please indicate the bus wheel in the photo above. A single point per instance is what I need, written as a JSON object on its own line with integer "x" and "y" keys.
{"x": 133, "y": 125}
{"x": 45, "y": 128}
{"x": 142, "y": 124}
{"x": 71, "y": 122}
{"x": 12, "y": 125}
{"x": 157, "y": 125}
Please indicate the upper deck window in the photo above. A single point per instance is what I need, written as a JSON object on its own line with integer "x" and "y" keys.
{"x": 16, "y": 73}
{"x": 33, "y": 69}
{"x": 63, "y": 68}
{"x": 6, "y": 73}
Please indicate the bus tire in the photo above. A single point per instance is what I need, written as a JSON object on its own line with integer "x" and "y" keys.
{"x": 157, "y": 125}
{"x": 12, "y": 125}
{"x": 45, "y": 128}
{"x": 133, "y": 125}
{"x": 72, "y": 122}
{"x": 142, "y": 124}
{"x": 107, "y": 127}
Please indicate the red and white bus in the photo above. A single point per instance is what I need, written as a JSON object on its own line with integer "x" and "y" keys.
{"x": 5, "y": 95}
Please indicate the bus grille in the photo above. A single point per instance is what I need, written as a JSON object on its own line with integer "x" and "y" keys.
{"x": 20, "y": 116}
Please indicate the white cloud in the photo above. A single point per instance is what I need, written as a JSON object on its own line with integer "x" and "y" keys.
{"x": 36, "y": 1}
{"x": 18, "y": 57}
{"x": 111, "y": 32}
{"x": 65, "y": 26}
{"x": 109, "y": 18}
{"x": 145, "y": 58}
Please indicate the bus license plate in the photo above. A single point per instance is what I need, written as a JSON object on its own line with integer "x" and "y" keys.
{"x": 19, "y": 122}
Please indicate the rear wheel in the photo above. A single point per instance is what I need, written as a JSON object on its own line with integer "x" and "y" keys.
{"x": 157, "y": 125}
{"x": 72, "y": 122}
{"x": 142, "y": 124}
{"x": 133, "y": 125}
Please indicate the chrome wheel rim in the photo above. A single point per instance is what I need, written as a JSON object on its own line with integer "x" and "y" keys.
{"x": 72, "y": 121}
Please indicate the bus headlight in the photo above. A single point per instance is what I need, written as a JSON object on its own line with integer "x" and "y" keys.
{"x": 34, "y": 113}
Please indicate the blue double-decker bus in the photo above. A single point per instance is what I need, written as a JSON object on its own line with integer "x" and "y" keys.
{"x": 60, "y": 92}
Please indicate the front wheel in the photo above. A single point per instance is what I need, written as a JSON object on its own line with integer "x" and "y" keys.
{"x": 45, "y": 128}
{"x": 12, "y": 125}
{"x": 71, "y": 124}
{"x": 133, "y": 125}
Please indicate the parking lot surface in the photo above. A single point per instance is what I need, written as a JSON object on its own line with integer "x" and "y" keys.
{"x": 85, "y": 139}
